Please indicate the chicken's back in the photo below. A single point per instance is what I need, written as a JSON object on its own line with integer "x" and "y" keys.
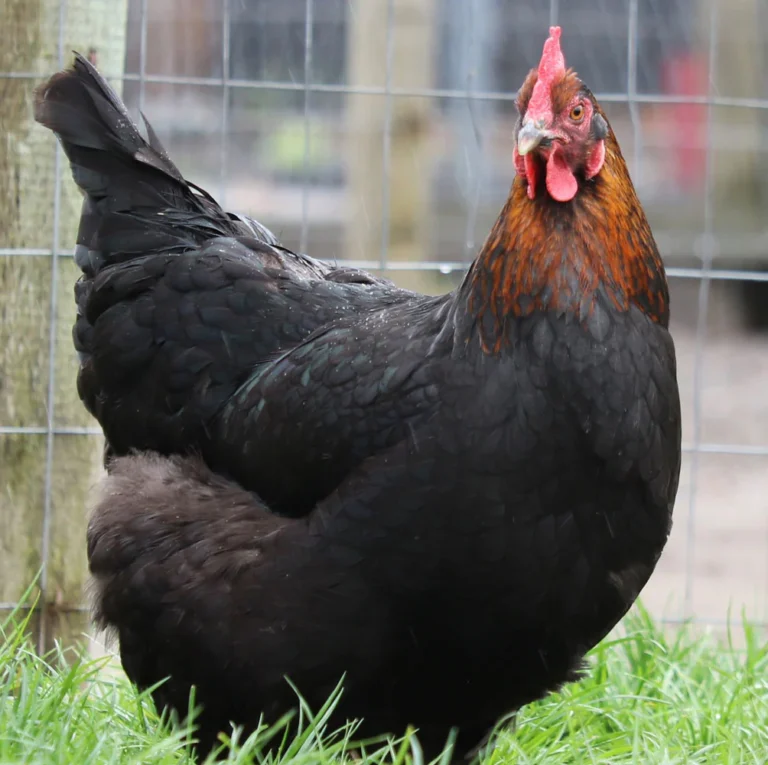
{"x": 179, "y": 300}
{"x": 166, "y": 339}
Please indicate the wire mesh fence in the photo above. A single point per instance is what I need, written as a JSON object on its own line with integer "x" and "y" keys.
{"x": 380, "y": 133}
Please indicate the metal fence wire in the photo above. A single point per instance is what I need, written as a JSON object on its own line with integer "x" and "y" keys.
{"x": 380, "y": 133}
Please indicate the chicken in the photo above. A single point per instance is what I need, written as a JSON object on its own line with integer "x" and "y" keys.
{"x": 447, "y": 500}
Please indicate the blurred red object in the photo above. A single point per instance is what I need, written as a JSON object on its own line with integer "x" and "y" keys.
{"x": 685, "y": 74}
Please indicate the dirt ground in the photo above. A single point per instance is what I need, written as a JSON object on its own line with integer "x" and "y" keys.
{"x": 719, "y": 542}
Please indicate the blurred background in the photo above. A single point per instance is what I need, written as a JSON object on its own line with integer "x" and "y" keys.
{"x": 381, "y": 132}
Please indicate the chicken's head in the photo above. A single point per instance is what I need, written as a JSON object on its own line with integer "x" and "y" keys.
{"x": 561, "y": 132}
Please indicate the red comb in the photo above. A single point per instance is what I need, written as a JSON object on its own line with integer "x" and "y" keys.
{"x": 551, "y": 67}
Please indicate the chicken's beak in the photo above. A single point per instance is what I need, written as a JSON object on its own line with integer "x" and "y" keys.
{"x": 530, "y": 136}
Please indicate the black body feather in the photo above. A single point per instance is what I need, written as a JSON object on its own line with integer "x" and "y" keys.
{"x": 179, "y": 300}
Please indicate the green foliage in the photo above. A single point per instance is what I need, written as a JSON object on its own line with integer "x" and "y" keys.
{"x": 649, "y": 696}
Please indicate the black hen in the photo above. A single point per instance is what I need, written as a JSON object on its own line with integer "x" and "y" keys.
{"x": 486, "y": 478}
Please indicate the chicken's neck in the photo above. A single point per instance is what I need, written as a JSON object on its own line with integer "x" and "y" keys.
{"x": 542, "y": 255}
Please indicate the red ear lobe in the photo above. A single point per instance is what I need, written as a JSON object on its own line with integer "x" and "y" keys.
{"x": 595, "y": 160}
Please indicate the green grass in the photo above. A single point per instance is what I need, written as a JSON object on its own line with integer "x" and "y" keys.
{"x": 650, "y": 697}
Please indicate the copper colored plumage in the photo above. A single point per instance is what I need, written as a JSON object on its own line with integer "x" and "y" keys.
{"x": 541, "y": 255}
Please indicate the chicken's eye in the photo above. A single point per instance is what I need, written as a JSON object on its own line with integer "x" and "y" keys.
{"x": 577, "y": 113}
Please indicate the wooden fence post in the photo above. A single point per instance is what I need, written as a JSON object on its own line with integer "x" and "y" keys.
{"x": 36, "y": 315}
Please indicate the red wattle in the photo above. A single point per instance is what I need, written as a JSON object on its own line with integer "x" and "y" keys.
{"x": 561, "y": 182}
{"x": 532, "y": 173}
{"x": 525, "y": 167}
{"x": 595, "y": 160}
{"x": 519, "y": 162}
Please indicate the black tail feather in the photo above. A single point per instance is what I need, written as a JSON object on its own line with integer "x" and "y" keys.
{"x": 85, "y": 113}
{"x": 136, "y": 200}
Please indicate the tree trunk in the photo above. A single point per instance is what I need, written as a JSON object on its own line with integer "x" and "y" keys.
{"x": 44, "y": 496}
